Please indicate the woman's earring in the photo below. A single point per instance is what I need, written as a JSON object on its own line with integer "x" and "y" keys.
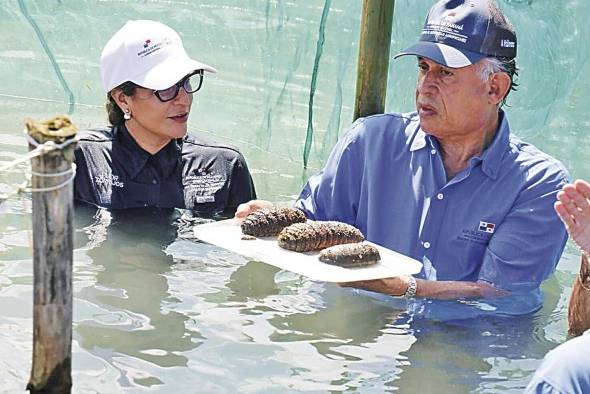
{"x": 127, "y": 115}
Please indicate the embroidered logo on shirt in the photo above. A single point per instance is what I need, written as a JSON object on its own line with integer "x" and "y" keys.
{"x": 109, "y": 180}
{"x": 206, "y": 183}
{"x": 203, "y": 186}
{"x": 487, "y": 227}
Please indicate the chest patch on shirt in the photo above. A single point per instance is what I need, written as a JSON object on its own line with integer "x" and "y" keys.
{"x": 487, "y": 227}
{"x": 205, "y": 184}
{"x": 204, "y": 199}
{"x": 478, "y": 237}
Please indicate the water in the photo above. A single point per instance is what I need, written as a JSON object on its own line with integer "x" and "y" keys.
{"x": 155, "y": 311}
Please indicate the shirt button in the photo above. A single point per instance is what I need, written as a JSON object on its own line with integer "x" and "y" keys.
{"x": 154, "y": 182}
{"x": 440, "y": 196}
{"x": 426, "y": 245}
{"x": 433, "y": 152}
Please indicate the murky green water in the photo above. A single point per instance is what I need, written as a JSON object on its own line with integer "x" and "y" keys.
{"x": 157, "y": 312}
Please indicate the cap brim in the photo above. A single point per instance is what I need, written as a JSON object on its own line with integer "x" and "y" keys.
{"x": 442, "y": 54}
{"x": 169, "y": 72}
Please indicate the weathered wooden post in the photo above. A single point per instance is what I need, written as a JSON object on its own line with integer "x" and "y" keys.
{"x": 52, "y": 255}
{"x": 373, "y": 63}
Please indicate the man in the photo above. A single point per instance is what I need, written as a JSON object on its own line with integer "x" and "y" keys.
{"x": 565, "y": 369}
{"x": 448, "y": 184}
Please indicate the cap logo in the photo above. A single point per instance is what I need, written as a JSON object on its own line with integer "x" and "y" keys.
{"x": 507, "y": 44}
{"x": 445, "y": 29}
{"x": 148, "y": 48}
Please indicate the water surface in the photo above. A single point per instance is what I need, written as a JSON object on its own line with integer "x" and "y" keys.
{"x": 155, "y": 311}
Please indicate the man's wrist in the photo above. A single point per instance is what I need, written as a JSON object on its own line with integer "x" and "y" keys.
{"x": 412, "y": 287}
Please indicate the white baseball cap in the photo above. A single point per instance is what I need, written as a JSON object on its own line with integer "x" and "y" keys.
{"x": 147, "y": 53}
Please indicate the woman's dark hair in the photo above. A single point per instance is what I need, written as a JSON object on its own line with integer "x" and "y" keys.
{"x": 115, "y": 113}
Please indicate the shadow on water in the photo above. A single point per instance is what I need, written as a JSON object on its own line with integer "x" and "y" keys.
{"x": 327, "y": 337}
{"x": 330, "y": 312}
{"x": 474, "y": 353}
{"x": 130, "y": 288}
{"x": 252, "y": 280}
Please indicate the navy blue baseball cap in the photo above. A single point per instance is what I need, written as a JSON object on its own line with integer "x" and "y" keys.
{"x": 458, "y": 33}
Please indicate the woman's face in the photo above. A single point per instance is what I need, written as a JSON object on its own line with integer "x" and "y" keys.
{"x": 166, "y": 119}
{"x": 154, "y": 123}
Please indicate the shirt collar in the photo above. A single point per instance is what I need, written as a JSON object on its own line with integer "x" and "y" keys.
{"x": 136, "y": 157}
{"x": 491, "y": 156}
{"x": 419, "y": 140}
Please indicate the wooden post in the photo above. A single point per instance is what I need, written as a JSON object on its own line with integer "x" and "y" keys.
{"x": 373, "y": 63}
{"x": 52, "y": 258}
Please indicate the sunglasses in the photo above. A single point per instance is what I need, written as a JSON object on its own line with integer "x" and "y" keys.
{"x": 191, "y": 83}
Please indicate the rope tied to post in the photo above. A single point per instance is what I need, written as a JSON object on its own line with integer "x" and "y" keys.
{"x": 62, "y": 133}
{"x": 46, "y": 147}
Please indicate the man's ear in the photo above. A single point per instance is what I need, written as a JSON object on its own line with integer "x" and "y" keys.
{"x": 121, "y": 99}
{"x": 499, "y": 86}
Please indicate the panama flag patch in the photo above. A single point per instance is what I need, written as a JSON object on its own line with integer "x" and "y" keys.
{"x": 487, "y": 227}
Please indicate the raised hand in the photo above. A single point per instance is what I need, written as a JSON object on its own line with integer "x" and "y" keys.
{"x": 573, "y": 207}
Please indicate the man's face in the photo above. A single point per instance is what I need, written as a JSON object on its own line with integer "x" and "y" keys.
{"x": 451, "y": 102}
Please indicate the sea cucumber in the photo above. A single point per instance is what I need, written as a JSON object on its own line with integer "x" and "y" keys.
{"x": 304, "y": 237}
{"x": 351, "y": 255}
{"x": 270, "y": 221}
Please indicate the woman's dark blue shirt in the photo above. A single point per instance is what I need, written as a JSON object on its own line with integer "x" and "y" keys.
{"x": 194, "y": 173}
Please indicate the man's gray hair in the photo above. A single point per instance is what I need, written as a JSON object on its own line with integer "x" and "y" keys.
{"x": 489, "y": 65}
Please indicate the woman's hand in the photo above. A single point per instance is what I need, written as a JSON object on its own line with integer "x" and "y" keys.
{"x": 247, "y": 208}
{"x": 573, "y": 208}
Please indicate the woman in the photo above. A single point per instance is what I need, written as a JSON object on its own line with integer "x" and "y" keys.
{"x": 146, "y": 159}
{"x": 565, "y": 369}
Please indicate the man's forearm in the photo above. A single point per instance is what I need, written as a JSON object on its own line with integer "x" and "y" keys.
{"x": 447, "y": 290}
{"x": 443, "y": 290}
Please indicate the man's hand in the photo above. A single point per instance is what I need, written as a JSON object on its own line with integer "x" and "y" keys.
{"x": 573, "y": 208}
{"x": 247, "y": 208}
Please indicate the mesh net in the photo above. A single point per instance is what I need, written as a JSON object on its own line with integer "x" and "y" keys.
{"x": 285, "y": 68}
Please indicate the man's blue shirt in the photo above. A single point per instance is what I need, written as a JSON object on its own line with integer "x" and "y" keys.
{"x": 494, "y": 221}
{"x": 564, "y": 370}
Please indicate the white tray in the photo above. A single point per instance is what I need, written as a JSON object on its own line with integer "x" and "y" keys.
{"x": 228, "y": 235}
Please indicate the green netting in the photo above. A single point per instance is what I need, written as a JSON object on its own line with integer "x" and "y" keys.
{"x": 197, "y": 319}
{"x": 275, "y": 59}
